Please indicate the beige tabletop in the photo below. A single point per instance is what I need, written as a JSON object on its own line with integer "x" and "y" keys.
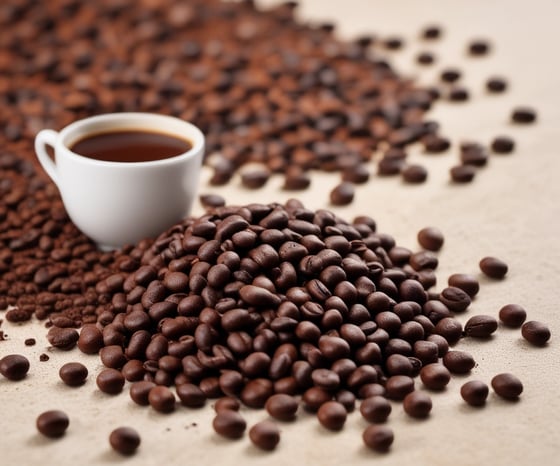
{"x": 511, "y": 210}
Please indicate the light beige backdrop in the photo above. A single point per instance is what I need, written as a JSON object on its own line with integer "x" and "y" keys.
{"x": 512, "y": 211}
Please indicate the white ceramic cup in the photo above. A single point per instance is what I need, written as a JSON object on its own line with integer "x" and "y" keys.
{"x": 118, "y": 203}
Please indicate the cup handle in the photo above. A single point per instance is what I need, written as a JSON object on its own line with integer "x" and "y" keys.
{"x": 44, "y": 138}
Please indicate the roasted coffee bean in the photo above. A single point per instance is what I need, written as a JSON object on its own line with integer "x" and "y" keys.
{"x": 332, "y": 415}
{"x": 480, "y": 326}
{"x": 110, "y": 381}
{"x": 73, "y": 374}
{"x": 496, "y": 84}
{"x": 458, "y": 94}
{"x": 29, "y": 342}
{"x": 257, "y": 392}
{"x": 462, "y": 173}
{"x": 430, "y": 238}
{"x": 139, "y": 392}
{"x": 493, "y": 267}
{"x": 450, "y": 75}
{"x": 393, "y": 43}
{"x": 535, "y": 332}
{"x": 229, "y": 424}
{"x": 502, "y": 145}
{"x": 191, "y": 395}
{"x": 398, "y": 386}
{"x": 458, "y": 362}
{"x": 435, "y": 376}
{"x": 211, "y": 200}
{"x": 450, "y": 329}
{"x": 314, "y": 397}
{"x": 124, "y": 440}
{"x": 255, "y": 178}
{"x": 378, "y": 438}
{"x": 265, "y": 435}
{"x": 455, "y": 299}
{"x": 226, "y": 403}
{"x": 474, "y": 392}
{"x": 431, "y": 32}
{"x": 523, "y": 115}
{"x": 63, "y": 338}
{"x": 282, "y": 407}
{"x": 161, "y": 399}
{"x": 425, "y": 351}
{"x": 375, "y": 409}
{"x": 507, "y": 386}
{"x": 347, "y": 399}
{"x": 414, "y": 174}
{"x": 417, "y": 404}
{"x": 14, "y": 366}
{"x": 512, "y": 315}
{"x": 342, "y": 194}
{"x": 90, "y": 340}
{"x": 52, "y": 423}
{"x": 478, "y": 47}
{"x": 112, "y": 356}
{"x": 357, "y": 174}
{"x": 425, "y": 58}
{"x": 466, "y": 282}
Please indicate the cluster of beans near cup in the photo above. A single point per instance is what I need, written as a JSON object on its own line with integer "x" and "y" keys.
{"x": 278, "y": 306}
{"x": 264, "y": 88}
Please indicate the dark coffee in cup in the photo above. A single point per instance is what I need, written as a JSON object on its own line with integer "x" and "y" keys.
{"x": 130, "y": 145}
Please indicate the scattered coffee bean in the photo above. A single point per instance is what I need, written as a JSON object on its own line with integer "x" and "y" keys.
{"x": 458, "y": 94}
{"x": 450, "y": 75}
{"x": 481, "y": 326}
{"x": 90, "y": 340}
{"x": 496, "y": 85}
{"x": 474, "y": 154}
{"x": 282, "y": 407}
{"x": 474, "y": 392}
{"x": 357, "y": 174}
{"x": 493, "y": 267}
{"x": 455, "y": 299}
{"x": 507, "y": 386}
{"x": 332, "y": 415}
{"x": 52, "y": 423}
{"x": 212, "y": 200}
{"x": 375, "y": 409}
{"x": 255, "y": 178}
{"x": 536, "y": 332}
{"x": 435, "y": 376}
{"x": 462, "y": 173}
{"x": 512, "y": 315}
{"x": 393, "y": 43}
{"x": 398, "y": 386}
{"x": 431, "y": 32}
{"x": 523, "y": 115}
{"x": 14, "y": 366}
{"x": 414, "y": 174}
{"x": 265, "y": 435}
{"x": 226, "y": 403}
{"x": 466, "y": 282}
{"x": 425, "y": 58}
{"x": 342, "y": 194}
{"x": 430, "y": 238}
{"x": 417, "y": 404}
{"x": 191, "y": 395}
{"x": 110, "y": 381}
{"x": 450, "y": 329}
{"x": 478, "y": 47}
{"x": 502, "y": 145}
{"x": 434, "y": 144}
{"x": 29, "y": 342}
{"x": 124, "y": 440}
{"x": 73, "y": 374}
{"x": 43, "y": 357}
{"x": 458, "y": 362}
{"x": 378, "y": 438}
{"x": 229, "y": 424}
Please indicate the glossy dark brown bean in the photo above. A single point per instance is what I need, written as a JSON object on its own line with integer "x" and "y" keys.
{"x": 536, "y": 333}
{"x": 507, "y": 386}
{"x": 523, "y": 115}
{"x": 73, "y": 374}
{"x": 63, "y": 338}
{"x": 496, "y": 84}
{"x": 462, "y": 173}
{"x": 342, "y": 194}
{"x": 139, "y": 392}
{"x": 378, "y": 438}
{"x": 124, "y": 440}
{"x": 375, "y": 409}
{"x": 466, "y": 282}
{"x": 455, "y": 299}
{"x": 512, "y": 315}
{"x": 474, "y": 392}
{"x": 414, "y": 174}
{"x": 161, "y": 399}
{"x": 478, "y": 47}
{"x": 435, "y": 376}
{"x": 52, "y": 423}
{"x": 493, "y": 267}
{"x": 430, "y": 238}
{"x": 265, "y": 435}
{"x": 229, "y": 424}
{"x": 14, "y": 366}
{"x": 398, "y": 386}
{"x": 417, "y": 404}
{"x": 332, "y": 415}
{"x": 480, "y": 326}
{"x": 110, "y": 381}
{"x": 502, "y": 145}
{"x": 90, "y": 340}
{"x": 458, "y": 362}
{"x": 282, "y": 407}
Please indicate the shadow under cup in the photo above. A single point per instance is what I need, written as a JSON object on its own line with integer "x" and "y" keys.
{"x": 118, "y": 203}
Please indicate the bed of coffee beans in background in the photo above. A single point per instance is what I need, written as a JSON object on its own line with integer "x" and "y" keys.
{"x": 265, "y": 88}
